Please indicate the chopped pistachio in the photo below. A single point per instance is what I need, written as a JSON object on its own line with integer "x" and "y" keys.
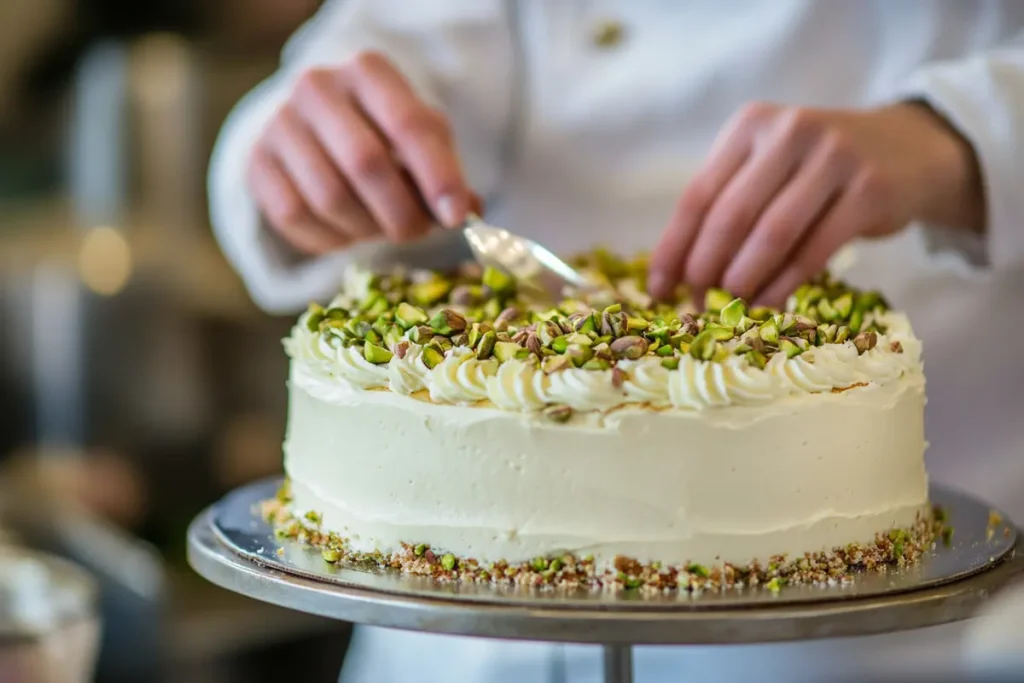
{"x": 631, "y": 348}
{"x": 665, "y": 351}
{"x": 842, "y": 334}
{"x": 856, "y": 320}
{"x": 698, "y": 570}
{"x": 460, "y": 339}
{"x": 790, "y": 347}
{"x": 774, "y": 584}
{"x": 407, "y": 315}
{"x": 523, "y": 354}
{"x": 448, "y": 562}
{"x": 843, "y": 305}
{"x": 548, "y": 331}
{"x": 560, "y": 344}
{"x": 717, "y": 299}
{"x": 897, "y": 550}
{"x": 376, "y": 354}
{"x": 432, "y": 356}
{"x": 312, "y": 516}
{"x": 588, "y": 324}
{"x": 826, "y": 312}
{"x": 560, "y": 414}
{"x": 703, "y": 346}
{"x": 733, "y": 312}
{"x": 636, "y": 324}
{"x": 419, "y": 550}
{"x": 769, "y": 331}
{"x": 372, "y": 337}
{"x": 486, "y": 345}
{"x": 720, "y": 332}
{"x": 670, "y": 363}
{"x": 466, "y": 295}
{"x": 420, "y": 334}
{"x": 597, "y": 364}
{"x": 579, "y": 353}
{"x": 447, "y": 321}
{"x": 939, "y": 513}
{"x": 429, "y": 292}
{"x": 741, "y": 349}
{"x": 865, "y": 341}
{"x": 632, "y": 582}
{"x": 760, "y": 313}
{"x": 757, "y": 359}
{"x": 330, "y": 555}
{"x": 539, "y": 564}
{"x": 506, "y": 351}
{"x": 614, "y": 308}
{"x": 947, "y": 536}
{"x": 315, "y": 317}
{"x": 552, "y": 364}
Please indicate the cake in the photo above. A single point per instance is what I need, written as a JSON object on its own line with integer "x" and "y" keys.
{"x": 453, "y": 425}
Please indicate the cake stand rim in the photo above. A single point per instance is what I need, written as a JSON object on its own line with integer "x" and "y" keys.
{"x": 945, "y": 603}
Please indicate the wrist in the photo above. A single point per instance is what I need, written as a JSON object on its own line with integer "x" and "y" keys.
{"x": 952, "y": 193}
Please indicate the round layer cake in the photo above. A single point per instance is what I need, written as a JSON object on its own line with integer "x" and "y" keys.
{"x": 451, "y": 424}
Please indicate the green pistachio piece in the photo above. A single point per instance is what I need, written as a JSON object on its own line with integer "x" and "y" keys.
{"x": 717, "y": 299}
{"x": 947, "y": 536}
{"x": 552, "y": 314}
{"x": 757, "y": 359}
{"x": 559, "y": 414}
{"x": 826, "y": 312}
{"x": 769, "y": 331}
{"x": 393, "y": 336}
{"x": 448, "y": 562}
{"x": 760, "y": 313}
{"x": 429, "y": 293}
{"x": 315, "y": 317}
{"x": 939, "y": 514}
{"x": 897, "y": 551}
{"x": 524, "y": 354}
{"x": 379, "y": 306}
{"x": 820, "y": 336}
{"x": 587, "y": 324}
{"x": 597, "y": 364}
{"x": 553, "y": 364}
{"x": 420, "y": 334}
{"x": 447, "y": 321}
{"x": 703, "y": 346}
{"x": 358, "y": 328}
{"x": 579, "y": 354}
{"x": 869, "y": 301}
{"x": 856, "y": 320}
{"x": 376, "y": 354}
{"x": 786, "y": 322}
{"x": 741, "y": 349}
{"x": 745, "y": 324}
{"x": 474, "y": 334}
{"x": 670, "y": 363}
{"x": 491, "y": 309}
{"x": 578, "y": 338}
{"x": 539, "y": 564}
{"x": 505, "y": 351}
{"x": 605, "y": 339}
{"x": 336, "y": 313}
{"x": 698, "y": 570}
{"x": 632, "y": 582}
{"x": 842, "y": 334}
{"x": 498, "y": 281}
{"x": 330, "y": 555}
{"x": 372, "y": 337}
{"x": 432, "y": 356}
{"x": 843, "y": 305}
{"x": 460, "y": 339}
{"x": 466, "y": 295}
{"x": 789, "y": 347}
{"x": 865, "y": 341}
{"x": 720, "y": 332}
{"x": 560, "y": 344}
{"x": 680, "y": 338}
{"x": 407, "y": 315}
{"x": 733, "y": 312}
{"x": 548, "y": 331}
{"x": 419, "y": 550}
{"x": 775, "y": 584}
{"x": 614, "y": 308}
{"x": 665, "y": 351}
{"x": 555, "y": 564}
{"x": 636, "y": 324}
{"x": 486, "y": 345}
{"x": 631, "y": 347}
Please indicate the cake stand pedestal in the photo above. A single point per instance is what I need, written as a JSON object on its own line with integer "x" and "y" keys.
{"x": 229, "y": 545}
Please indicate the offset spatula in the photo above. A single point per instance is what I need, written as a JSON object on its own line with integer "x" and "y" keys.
{"x": 528, "y": 262}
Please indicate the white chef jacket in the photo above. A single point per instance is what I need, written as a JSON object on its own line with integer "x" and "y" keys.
{"x": 576, "y": 143}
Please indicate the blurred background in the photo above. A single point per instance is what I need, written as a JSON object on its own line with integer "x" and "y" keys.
{"x": 137, "y": 382}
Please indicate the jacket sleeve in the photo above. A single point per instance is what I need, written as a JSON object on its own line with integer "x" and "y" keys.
{"x": 278, "y": 279}
{"x": 983, "y": 98}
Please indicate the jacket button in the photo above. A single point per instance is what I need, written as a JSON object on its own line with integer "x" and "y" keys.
{"x": 608, "y": 34}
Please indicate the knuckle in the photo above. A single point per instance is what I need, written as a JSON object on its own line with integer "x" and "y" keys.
{"x": 696, "y": 197}
{"x": 367, "y": 62}
{"x": 835, "y": 148}
{"x": 756, "y": 112}
{"x": 871, "y": 186}
{"x": 310, "y": 83}
{"x": 329, "y": 198}
{"x": 797, "y": 123}
{"x": 417, "y": 122}
{"x": 370, "y": 161}
{"x": 287, "y": 212}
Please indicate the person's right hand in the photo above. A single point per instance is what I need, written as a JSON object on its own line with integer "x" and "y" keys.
{"x": 355, "y": 155}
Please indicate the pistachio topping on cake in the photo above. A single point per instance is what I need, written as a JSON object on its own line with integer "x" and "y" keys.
{"x": 481, "y": 316}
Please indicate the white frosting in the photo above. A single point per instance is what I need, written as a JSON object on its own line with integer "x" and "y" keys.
{"x": 738, "y": 463}
{"x": 805, "y": 472}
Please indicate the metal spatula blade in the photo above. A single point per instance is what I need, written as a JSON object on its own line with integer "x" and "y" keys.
{"x": 524, "y": 259}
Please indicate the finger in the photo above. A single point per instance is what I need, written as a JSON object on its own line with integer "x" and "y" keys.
{"x": 317, "y": 179}
{"x": 672, "y": 250}
{"x": 420, "y": 135}
{"x": 847, "y": 218}
{"x": 286, "y": 210}
{"x": 367, "y": 162}
{"x": 738, "y": 207}
{"x": 799, "y": 205}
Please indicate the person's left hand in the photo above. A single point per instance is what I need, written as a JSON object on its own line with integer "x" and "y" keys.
{"x": 784, "y": 188}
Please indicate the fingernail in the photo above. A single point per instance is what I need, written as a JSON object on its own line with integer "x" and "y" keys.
{"x": 448, "y": 211}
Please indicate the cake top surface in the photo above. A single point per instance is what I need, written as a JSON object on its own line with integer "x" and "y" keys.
{"x": 473, "y": 335}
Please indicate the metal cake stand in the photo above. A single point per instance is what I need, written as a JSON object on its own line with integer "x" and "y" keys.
{"x": 231, "y": 546}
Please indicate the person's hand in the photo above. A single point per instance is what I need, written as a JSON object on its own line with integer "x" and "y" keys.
{"x": 784, "y": 188}
{"x": 355, "y": 155}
